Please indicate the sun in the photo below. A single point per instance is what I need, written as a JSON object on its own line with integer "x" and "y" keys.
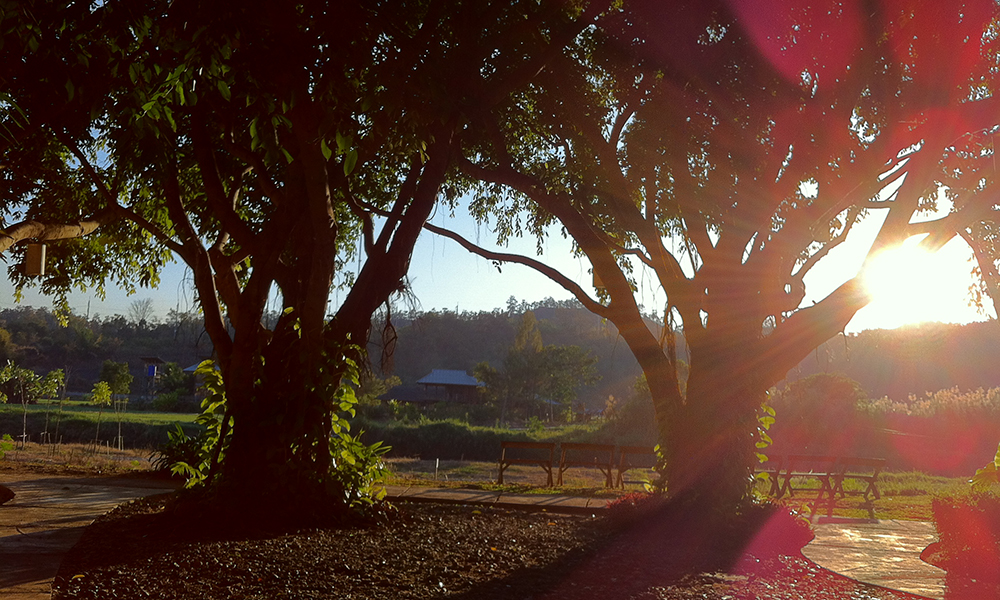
{"x": 910, "y": 285}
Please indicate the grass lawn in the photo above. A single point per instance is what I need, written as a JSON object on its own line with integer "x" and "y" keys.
{"x": 522, "y": 479}
{"x": 86, "y": 411}
{"x": 905, "y": 496}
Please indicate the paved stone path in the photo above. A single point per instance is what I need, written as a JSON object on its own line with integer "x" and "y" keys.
{"x": 50, "y": 512}
{"x": 46, "y": 519}
{"x": 885, "y": 553}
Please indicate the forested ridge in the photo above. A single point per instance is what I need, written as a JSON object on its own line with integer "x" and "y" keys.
{"x": 887, "y": 363}
{"x": 912, "y": 360}
{"x": 35, "y": 338}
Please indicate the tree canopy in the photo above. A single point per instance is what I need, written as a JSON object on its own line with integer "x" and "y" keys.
{"x": 270, "y": 148}
{"x": 535, "y": 378}
{"x": 724, "y": 150}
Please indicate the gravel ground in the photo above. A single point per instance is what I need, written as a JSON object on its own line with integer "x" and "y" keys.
{"x": 436, "y": 551}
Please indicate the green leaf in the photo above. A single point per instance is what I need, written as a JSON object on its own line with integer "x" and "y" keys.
{"x": 344, "y": 142}
{"x": 327, "y": 152}
{"x": 170, "y": 117}
{"x": 224, "y": 90}
{"x": 985, "y": 477}
{"x": 350, "y": 161}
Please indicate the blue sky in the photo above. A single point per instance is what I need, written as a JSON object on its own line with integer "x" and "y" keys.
{"x": 445, "y": 276}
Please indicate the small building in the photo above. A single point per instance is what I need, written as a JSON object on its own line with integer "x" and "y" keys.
{"x": 152, "y": 365}
{"x": 446, "y": 385}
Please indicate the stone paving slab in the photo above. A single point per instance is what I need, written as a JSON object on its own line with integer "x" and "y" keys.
{"x": 46, "y": 518}
{"x": 885, "y": 553}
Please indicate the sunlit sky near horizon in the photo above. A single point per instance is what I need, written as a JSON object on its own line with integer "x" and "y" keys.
{"x": 444, "y": 276}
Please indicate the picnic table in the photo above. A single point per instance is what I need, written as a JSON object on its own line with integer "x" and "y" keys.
{"x": 797, "y": 470}
{"x": 576, "y": 455}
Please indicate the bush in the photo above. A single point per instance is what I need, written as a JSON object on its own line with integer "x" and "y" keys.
{"x": 168, "y": 402}
{"x": 180, "y": 448}
{"x": 457, "y": 440}
{"x": 634, "y": 507}
{"x": 453, "y": 440}
{"x": 968, "y": 527}
{"x": 6, "y": 444}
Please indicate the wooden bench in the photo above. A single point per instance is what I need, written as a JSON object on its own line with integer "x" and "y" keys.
{"x": 633, "y": 457}
{"x": 802, "y": 466}
{"x": 865, "y": 470}
{"x": 593, "y": 456}
{"x": 527, "y": 453}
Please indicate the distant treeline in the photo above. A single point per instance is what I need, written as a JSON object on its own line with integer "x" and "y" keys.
{"x": 912, "y": 360}
{"x": 424, "y": 341}
{"x": 887, "y": 363}
{"x": 34, "y": 338}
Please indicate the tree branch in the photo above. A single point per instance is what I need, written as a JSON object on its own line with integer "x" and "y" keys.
{"x": 46, "y": 232}
{"x": 197, "y": 258}
{"x": 851, "y": 219}
{"x": 502, "y": 257}
{"x": 212, "y": 182}
{"x": 531, "y": 68}
{"x": 987, "y": 269}
{"x": 795, "y": 337}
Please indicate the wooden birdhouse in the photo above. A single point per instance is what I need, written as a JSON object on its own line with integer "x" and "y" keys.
{"x": 34, "y": 260}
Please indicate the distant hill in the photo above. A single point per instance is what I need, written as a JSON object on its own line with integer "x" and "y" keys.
{"x": 449, "y": 340}
{"x": 912, "y": 360}
{"x": 893, "y": 363}
{"x": 34, "y": 338}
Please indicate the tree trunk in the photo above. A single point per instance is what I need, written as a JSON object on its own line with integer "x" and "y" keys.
{"x": 279, "y": 457}
{"x": 707, "y": 436}
{"x": 710, "y": 443}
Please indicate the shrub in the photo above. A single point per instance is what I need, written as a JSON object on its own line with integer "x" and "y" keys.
{"x": 968, "y": 527}
{"x": 179, "y": 448}
{"x": 168, "y": 402}
{"x": 6, "y": 444}
{"x": 633, "y": 507}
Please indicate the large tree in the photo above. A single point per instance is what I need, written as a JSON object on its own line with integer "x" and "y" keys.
{"x": 274, "y": 148}
{"x": 534, "y": 377}
{"x": 725, "y": 149}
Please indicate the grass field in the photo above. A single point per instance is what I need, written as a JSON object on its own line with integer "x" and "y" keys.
{"x": 79, "y": 424}
{"x": 905, "y": 496}
{"x": 84, "y": 410}
{"x": 483, "y": 475}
